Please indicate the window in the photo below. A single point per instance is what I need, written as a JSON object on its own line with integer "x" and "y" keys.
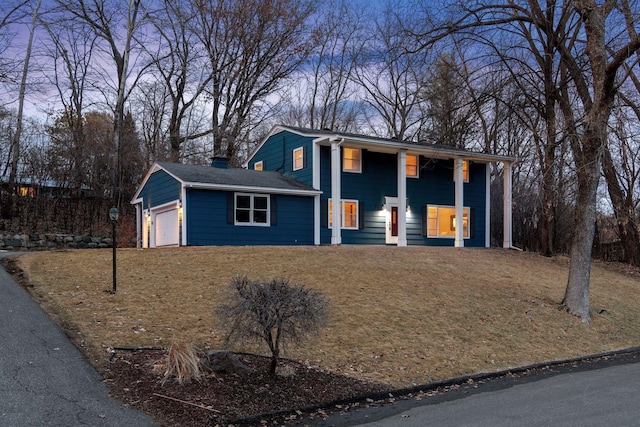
{"x": 441, "y": 221}
{"x": 412, "y": 165}
{"x": 298, "y": 158}
{"x": 465, "y": 170}
{"x": 348, "y": 212}
{"x": 251, "y": 209}
{"x": 258, "y": 165}
{"x": 351, "y": 160}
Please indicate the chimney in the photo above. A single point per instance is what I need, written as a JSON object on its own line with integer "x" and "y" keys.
{"x": 220, "y": 161}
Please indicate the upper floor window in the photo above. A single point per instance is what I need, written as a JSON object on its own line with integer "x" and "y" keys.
{"x": 258, "y": 165}
{"x": 412, "y": 165}
{"x": 465, "y": 170}
{"x": 251, "y": 209}
{"x": 351, "y": 160}
{"x": 298, "y": 158}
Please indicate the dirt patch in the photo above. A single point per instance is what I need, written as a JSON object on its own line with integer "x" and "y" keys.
{"x": 135, "y": 377}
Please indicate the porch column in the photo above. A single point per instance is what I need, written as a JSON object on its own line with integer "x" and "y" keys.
{"x": 139, "y": 225}
{"x": 316, "y": 199}
{"x": 182, "y": 209}
{"x": 336, "y": 196}
{"x": 402, "y": 198}
{"x": 507, "y": 242}
{"x": 459, "y": 197}
{"x": 487, "y": 208}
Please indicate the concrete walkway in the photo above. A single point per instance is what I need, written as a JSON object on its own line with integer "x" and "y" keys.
{"x": 44, "y": 379}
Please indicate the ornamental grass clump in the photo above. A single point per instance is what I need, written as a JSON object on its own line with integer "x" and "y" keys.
{"x": 183, "y": 363}
{"x": 275, "y": 312}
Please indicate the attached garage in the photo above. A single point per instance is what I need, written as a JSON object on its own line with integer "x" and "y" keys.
{"x": 167, "y": 228}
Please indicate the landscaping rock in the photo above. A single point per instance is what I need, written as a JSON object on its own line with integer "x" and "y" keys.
{"x": 224, "y": 361}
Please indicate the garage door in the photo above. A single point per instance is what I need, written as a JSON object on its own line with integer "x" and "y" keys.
{"x": 167, "y": 231}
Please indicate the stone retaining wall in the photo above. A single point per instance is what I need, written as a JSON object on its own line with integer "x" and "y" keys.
{"x": 51, "y": 241}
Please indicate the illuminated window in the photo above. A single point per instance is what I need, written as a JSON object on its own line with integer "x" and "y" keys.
{"x": 348, "y": 212}
{"x": 298, "y": 158}
{"x": 441, "y": 221}
{"x": 27, "y": 191}
{"x": 412, "y": 166}
{"x": 258, "y": 165}
{"x": 351, "y": 160}
{"x": 465, "y": 171}
{"x": 251, "y": 209}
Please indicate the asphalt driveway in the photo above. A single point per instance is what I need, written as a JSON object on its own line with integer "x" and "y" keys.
{"x": 44, "y": 379}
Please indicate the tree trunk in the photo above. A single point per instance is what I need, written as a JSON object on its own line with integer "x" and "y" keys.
{"x": 576, "y": 297}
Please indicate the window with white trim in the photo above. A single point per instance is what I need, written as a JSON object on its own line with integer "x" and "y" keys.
{"x": 348, "y": 214}
{"x": 252, "y": 209}
{"x": 258, "y": 165}
{"x": 441, "y": 221}
{"x": 298, "y": 158}
{"x": 465, "y": 170}
{"x": 351, "y": 160}
{"x": 412, "y": 166}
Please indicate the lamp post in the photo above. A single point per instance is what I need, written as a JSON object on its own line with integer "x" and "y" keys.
{"x": 113, "y": 215}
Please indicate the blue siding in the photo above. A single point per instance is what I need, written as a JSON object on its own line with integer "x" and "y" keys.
{"x": 378, "y": 179}
{"x": 277, "y": 155}
{"x": 159, "y": 189}
{"x": 207, "y": 222}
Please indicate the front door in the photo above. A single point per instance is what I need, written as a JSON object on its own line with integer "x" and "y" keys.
{"x": 391, "y": 207}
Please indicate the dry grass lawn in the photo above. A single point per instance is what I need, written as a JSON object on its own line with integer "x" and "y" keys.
{"x": 401, "y": 316}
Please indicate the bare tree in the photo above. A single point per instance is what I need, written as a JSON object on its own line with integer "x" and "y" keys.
{"x": 275, "y": 312}
{"x": 252, "y": 47}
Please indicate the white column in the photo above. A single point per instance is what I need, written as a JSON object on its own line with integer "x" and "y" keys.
{"x": 316, "y": 199}
{"x": 487, "y": 208}
{"x": 402, "y": 198}
{"x": 336, "y": 236}
{"x": 139, "y": 224}
{"x": 459, "y": 194}
{"x": 507, "y": 242}
{"x": 183, "y": 213}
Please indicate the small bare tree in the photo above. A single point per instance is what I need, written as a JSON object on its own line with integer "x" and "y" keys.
{"x": 275, "y": 311}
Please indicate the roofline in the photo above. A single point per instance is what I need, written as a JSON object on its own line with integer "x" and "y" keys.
{"x": 251, "y": 189}
{"x": 432, "y": 151}
{"x": 155, "y": 167}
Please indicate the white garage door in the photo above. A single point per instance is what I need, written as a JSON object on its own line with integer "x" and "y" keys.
{"x": 167, "y": 231}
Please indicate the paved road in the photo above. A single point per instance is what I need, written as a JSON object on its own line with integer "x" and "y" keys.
{"x": 598, "y": 396}
{"x": 44, "y": 380}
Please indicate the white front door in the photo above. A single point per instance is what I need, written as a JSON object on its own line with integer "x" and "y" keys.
{"x": 167, "y": 228}
{"x": 391, "y": 209}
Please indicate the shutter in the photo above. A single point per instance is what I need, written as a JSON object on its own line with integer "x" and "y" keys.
{"x": 363, "y": 164}
{"x": 360, "y": 215}
{"x": 273, "y": 208}
{"x": 304, "y": 157}
{"x": 230, "y": 208}
{"x": 324, "y": 213}
{"x": 472, "y": 225}
{"x": 425, "y": 221}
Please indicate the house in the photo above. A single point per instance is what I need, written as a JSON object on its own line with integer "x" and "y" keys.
{"x": 388, "y": 191}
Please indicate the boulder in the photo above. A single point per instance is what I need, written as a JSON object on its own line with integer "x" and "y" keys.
{"x": 224, "y": 361}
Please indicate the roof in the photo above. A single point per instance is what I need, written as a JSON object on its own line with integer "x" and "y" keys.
{"x": 325, "y": 136}
{"x": 232, "y": 179}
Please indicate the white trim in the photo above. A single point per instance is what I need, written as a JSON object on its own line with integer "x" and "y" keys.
{"x": 316, "y": 200}
{"x": 336, "y": 233}
{"x": 241, "y": 188}
{"x": 402, "y": 198}
{"x": 507, "y": 223}
{"x": 252, "y": 197}
{"x": 448, "y": 207}
{"x": 459, "y": 200}
{"x": 344, "y": 152}
{"x": 293, "y": 159}
{"x": 417, "y": 175}
{"x": 389, "y": 204}
{"x": 487, "y": 208}
{"x": 341, "y": 207}
{"x": 182, "y": 211}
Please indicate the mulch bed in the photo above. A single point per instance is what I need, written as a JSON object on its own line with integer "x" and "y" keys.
{"x": 135, "y": 377}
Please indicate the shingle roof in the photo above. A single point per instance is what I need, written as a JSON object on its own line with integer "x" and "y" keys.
{"x": 198, "y": 174}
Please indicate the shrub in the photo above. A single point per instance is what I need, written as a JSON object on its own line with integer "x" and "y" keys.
{"x": 183, "y": 363}
{"x": 275, "y": 312}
